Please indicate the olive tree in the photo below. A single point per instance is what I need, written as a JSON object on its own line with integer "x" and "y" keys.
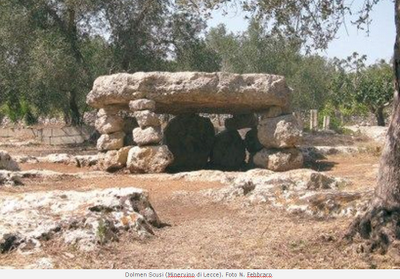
{"x": 316, "y": 24}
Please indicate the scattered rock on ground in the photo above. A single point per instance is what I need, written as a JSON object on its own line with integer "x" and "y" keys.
{"x": 279, "y": 159}
{"x": 7, "y": 163}
{"x": 299, "y": 191}
{"x": 84, "y": 219}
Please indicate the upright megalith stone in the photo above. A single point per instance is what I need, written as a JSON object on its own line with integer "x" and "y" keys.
{"x": 190, "y": 138}
{"x": 149, "y": 159}
{"x": 229, "y": 152}
{"x": 241, "y": 121}
{"x": 279, "y": 132}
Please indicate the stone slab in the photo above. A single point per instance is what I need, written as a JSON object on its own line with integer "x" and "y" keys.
{"x": 193, "y": 92}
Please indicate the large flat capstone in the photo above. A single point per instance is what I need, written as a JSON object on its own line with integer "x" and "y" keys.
{"x": 193, "y": 92}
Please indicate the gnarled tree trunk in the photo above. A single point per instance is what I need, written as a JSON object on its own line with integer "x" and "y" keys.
{"x": 381, "y": 223}
{"x": 388, "y": 188}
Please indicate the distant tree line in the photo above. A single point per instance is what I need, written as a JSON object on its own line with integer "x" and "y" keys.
{"x": 51, "y": 52}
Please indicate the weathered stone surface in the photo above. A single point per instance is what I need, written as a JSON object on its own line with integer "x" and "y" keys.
{"x": 89, "y": 117}
{"x": 147, "y": 136}
{"x": 108, "y": 124}
{"x": 300, "y": 191}
{"x": 229, "y": 152}
{"x": 113, "y": 160}
{"x": 241, "y": 121}
{"x": 193, "y": 92}
{"x": 251, "y": 141}
{"x": 271, "y": 112}
{"x": 79, "y": 218}
{"x": 6, "y": 162}
{"x": 142, "y": 104}
{"x": 279, "y": 159}
{"x": 10, "y": 178}
{"x": 190, "y": 138}
{"x": 279, "y": 132}
{"x": 149, "y": 159}
{"x": 146, "y": 118}
{"x": 111, "y": 141}
{"x": 110, "y": 110}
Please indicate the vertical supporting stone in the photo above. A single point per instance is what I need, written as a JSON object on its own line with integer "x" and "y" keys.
{"x": 313, "y": 120}
{"x": 327, "y": 122}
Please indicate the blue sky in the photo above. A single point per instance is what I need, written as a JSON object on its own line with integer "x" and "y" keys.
{"x": 378, "y": 45}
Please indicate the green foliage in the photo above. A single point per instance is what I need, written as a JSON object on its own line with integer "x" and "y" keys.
{"x": 358, "y": 89}
{"x": 257, "y": 51}
{"x": 51, "y": 51}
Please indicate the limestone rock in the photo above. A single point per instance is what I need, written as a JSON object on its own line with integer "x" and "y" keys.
{"x": 279, "y": 159}
{"x": 149, "y": 159}
{"x": 146, "y": 118}
{"x": 190, "y": 138}
{"x": 10, "y": 178}
{"x": 89, "y": 118}
{"x": 109, "y": 110}
{"x": 111, "y": 141}
{"x": 229, "y": 151}
{"x": 146, "y": 136}
{"x": 271, "y": 112}
{"x": 142, "y": 104}
{"x": 279, "y": 132}
{"x": 241, "y": 121}
{"x": 193, "y": 92}
{"x": 80, "y": 218}
{"x": 108, "y": 124}
{"x": 113, "y": 160}
{"x": 251, "y": 141}
{"x": 7, "y": 163}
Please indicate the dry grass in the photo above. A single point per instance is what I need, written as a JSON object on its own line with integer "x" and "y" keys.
{"x": 205, "y": 234}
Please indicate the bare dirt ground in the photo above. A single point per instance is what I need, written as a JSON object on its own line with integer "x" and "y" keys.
{"x": 201, "y": 233}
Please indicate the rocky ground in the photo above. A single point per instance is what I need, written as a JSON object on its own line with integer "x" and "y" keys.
{"x": 65, "y": 214}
